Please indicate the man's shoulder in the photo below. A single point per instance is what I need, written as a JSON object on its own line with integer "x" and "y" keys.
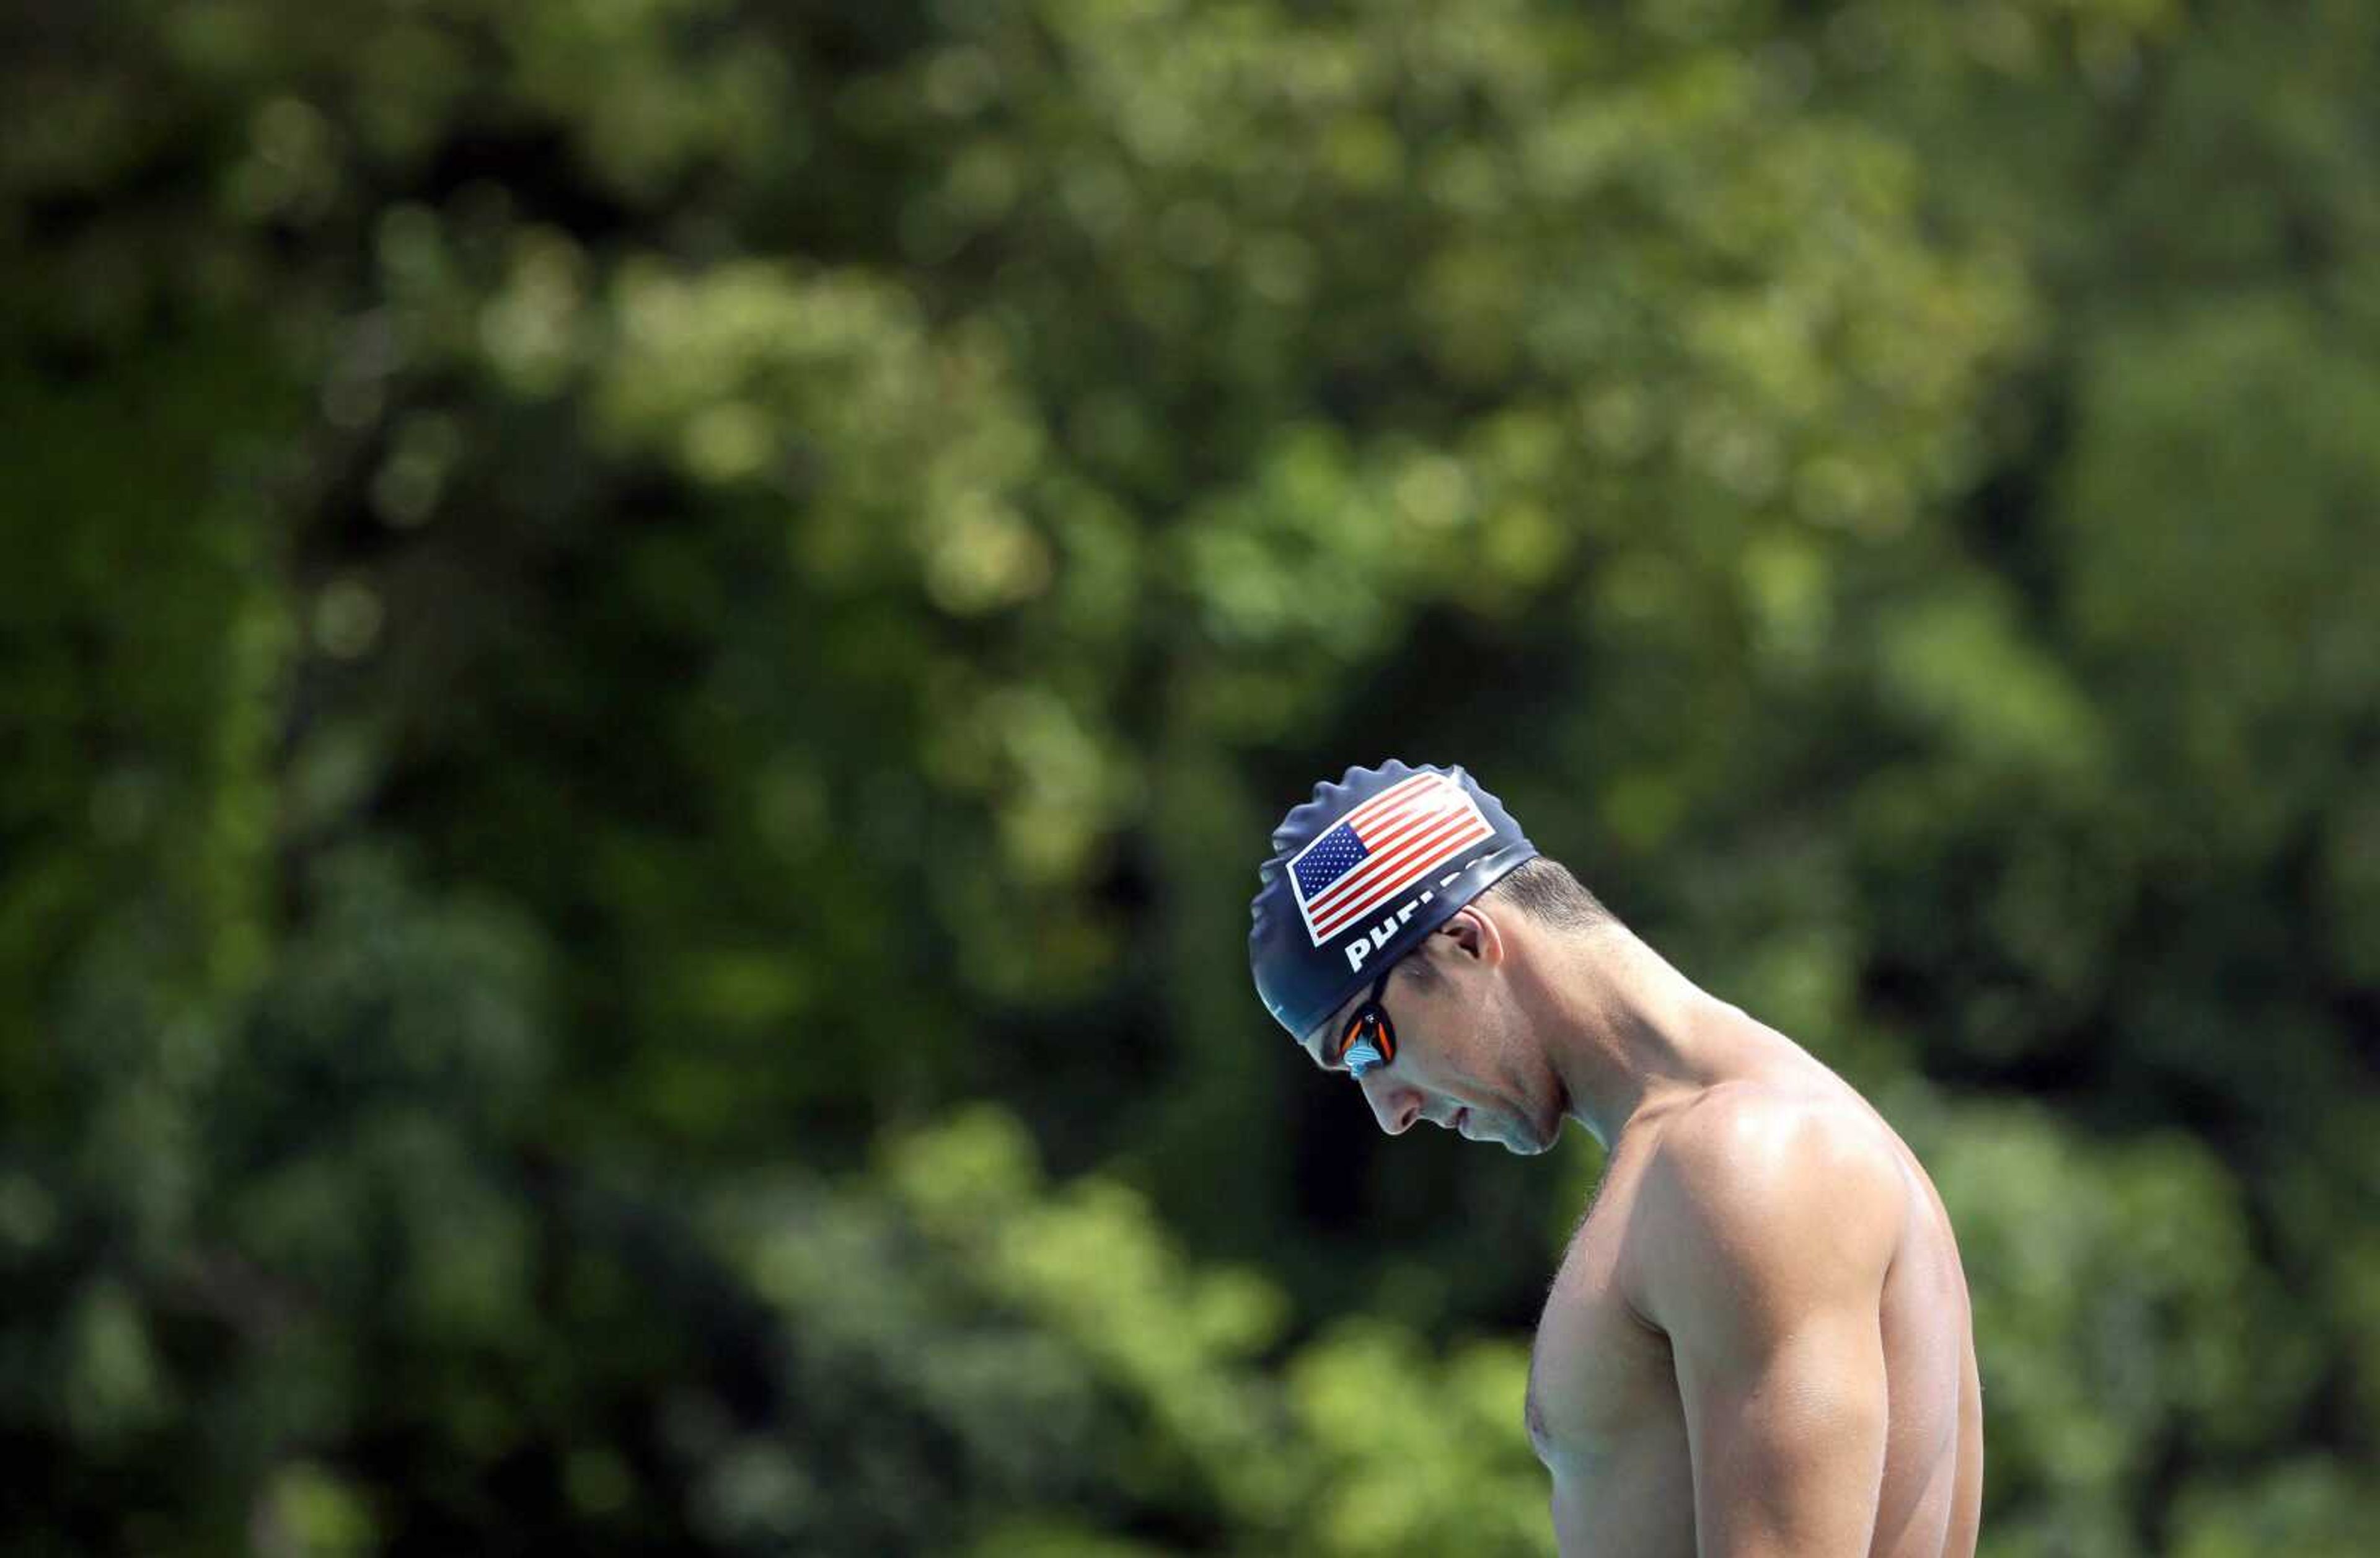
{"x": 1771, "y": 1183}
{"x": 1756, "y": 1137}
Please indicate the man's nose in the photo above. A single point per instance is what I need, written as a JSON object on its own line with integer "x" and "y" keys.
{"x": 1396, "y": 1108}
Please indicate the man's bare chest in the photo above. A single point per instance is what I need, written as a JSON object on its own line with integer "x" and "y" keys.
{"x": 1604, "y": 1414}
{"x": 1601, "y": 1379}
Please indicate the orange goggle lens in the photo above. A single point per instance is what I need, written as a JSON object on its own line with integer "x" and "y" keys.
{"x": 1369, "y": 1039}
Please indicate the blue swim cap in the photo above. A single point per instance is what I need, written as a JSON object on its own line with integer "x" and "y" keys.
{"x": 1362, "y": 873}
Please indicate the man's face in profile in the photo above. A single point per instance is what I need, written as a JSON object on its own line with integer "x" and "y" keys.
{"x": 1453, "y": 1049}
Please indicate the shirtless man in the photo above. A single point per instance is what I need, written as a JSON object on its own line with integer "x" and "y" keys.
{"x": 1759, "y": 1342}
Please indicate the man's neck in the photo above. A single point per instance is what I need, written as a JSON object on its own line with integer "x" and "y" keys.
{"x": 1628, "y": 1034}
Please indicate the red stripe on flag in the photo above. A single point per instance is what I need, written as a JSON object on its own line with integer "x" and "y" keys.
{"x": 1421, "y": 813}
{"x": 1396, "y": 794}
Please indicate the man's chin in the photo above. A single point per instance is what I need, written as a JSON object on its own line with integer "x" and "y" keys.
{"x": 1535, "y": 1142}
{"x": 1520, "y": 1137}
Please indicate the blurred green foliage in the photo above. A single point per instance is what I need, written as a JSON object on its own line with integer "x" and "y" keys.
{"x": 645, "y": 647}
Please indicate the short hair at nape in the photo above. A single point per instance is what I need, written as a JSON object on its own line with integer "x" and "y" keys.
{"x": 1544, "y": 890}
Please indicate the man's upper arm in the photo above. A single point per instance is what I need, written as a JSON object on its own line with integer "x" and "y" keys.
{"x": 1771, "y": 1224}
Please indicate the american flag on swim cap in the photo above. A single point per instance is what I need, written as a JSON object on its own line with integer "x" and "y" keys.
{"x": 1381, "y": 850}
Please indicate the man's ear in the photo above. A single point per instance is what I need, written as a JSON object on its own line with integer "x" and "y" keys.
{"x": 1475, "y": 934}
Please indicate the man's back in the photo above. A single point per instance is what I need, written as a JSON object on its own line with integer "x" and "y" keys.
{"x": 1611, "y": 1403}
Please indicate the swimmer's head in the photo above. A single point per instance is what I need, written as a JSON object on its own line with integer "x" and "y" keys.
{"x": 1373, "y": 947}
